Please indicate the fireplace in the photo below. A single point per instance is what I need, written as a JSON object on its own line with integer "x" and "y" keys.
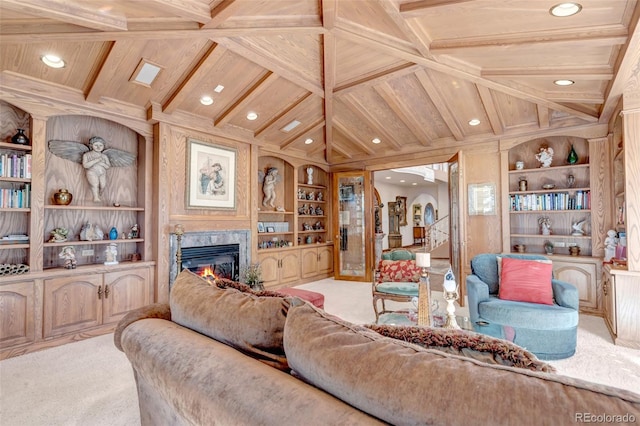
{"x": 220, "y": 261}
{"x": 197, "y": 244}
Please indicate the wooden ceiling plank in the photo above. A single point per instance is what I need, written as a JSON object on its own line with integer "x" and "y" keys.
{"x": 414, "y": 33}
{"x": 248, "y": 96}
{"x": 491, "y": 109}
{"x": 118, "y": 53}
{"x": 624, "y": 68}
{"x": 329, "y": 74}
{"x": 543, "y": 116}
{"x": 424, "y": 134}
{"x": 370, "y": 119}
{"x": 222, "y": 12}
{"x": 366, "y": 147}
{"x": 284, "y": 70}
{"x": 605, "y": 36}
{"x": 301, "y": 102}
{"x": 581, "y": 73}
{"x": 341, "y": 150}
{"x": 512, "y": 90}
{"x": 212, "y": 56}
{"x": 581, "y": 97}
{"x": 377, "y": 78}
{"x": 418, "y": 8}
{"x": 438, "y": 100}
{"x": 70, "y": 11}
{"x": 318, "y": 124}
{"x": 193, "y": 10}
{"x": 329, "y": 13}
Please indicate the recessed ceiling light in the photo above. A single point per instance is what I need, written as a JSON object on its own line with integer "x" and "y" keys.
{"x": 402, "y": 181}
{"x": 563, "y": 82}
{"x": 206, "y": 100}
{"x": 53, "y": 61}
{"x": 219, "y": 88}
{"x": 252, "y": 116}
{"x": 565, "y": 9}
{"x": 289, "y": 127}
{"x": 308, "y": 141}
{"x": 375, "y": 140}
{"x": 414, "y": 183}
{"x": 387, "y": 177}
{"x": 474, "y": 122}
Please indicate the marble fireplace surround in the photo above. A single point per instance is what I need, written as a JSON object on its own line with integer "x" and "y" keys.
{"x": 209, "y": 238}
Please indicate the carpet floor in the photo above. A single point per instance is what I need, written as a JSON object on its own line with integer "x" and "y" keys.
{"x": 90, "y": 383}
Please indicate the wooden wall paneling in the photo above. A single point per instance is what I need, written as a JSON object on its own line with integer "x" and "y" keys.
{"x": 632, "y": 195}
{"x": 600, "y": 184}
{"x": 163, "y": 191}
{"x": 36, "y": 226}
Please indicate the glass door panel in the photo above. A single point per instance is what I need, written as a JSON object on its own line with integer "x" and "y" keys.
{"x": 353, "y": 236}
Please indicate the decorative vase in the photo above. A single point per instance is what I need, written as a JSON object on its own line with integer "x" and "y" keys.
{"x": 573, "y": 156}
{"x": 20, "y": 138}
{"x": 113, "y": 234}
{"x": 62, "y": 197}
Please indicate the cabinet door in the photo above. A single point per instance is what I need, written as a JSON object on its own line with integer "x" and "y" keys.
{"x": 125, "y": 291}
{"x": 309, "y": 262}
{"x": 17, "y": 314}
{"x": 325, "y": 260}
{"x": 270, "y": 270}
{"x": 71, "y": 304}
{"x": 583, "y": 276}
{"x": 289, "y": 266}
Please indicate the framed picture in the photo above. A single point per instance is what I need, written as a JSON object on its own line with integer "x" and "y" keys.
{"x": 482, "y": 199}
{"x": 346, "y": 193}
{"x": 271, "y": 229}
{"x": 402, "y": 209}
{"x": 211, "y": 176}
{"x": 260, "y": 227}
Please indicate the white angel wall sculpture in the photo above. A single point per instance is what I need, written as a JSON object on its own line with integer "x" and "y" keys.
{"x": 269, "y": 180}
{"x": 95, "y": 159}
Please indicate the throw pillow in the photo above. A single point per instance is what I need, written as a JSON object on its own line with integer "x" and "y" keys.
{"x": 472, "y": 345}
{"x": 526, "y": 281}
{"x": 499, "y": 260}
{"x": 398, "y": 270}
{"x": 245, "y": 321}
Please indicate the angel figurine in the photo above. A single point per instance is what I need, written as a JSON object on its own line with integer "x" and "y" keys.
{"x": 545, "y": 156}
{"x": 269, "y": 181}
{"x": 95, "y": 159}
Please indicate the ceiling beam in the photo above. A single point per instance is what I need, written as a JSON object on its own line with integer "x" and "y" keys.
{"x": 441, "y": 105}
{"x": 417, "y": 8}
{"x": 222, "y": 12}
{"x": 213, "y": 55}
{"x": 192, "y": 10}
{"x": 377, "y": 78}
{"x": 517, "y": 91}
{"x": 363, "y": 112}
{"x": 491, "y": 109}
{"x": 318, "y": 124}
{"x": 364, "y": 146}
{"x": 543, "y": 116}
{"x": 246, "y": 98}
{"x": 582, "y": 97}
{"x": 329, "y": 13}
{"x": 341, "y": 150}
{"x": 424, "y": 134}
{"x": 577, "y": 73}
{"x": 301, "y": 102}
{"x": 414, "y": 32}
{"x": 70, "y": 11}
{"x": 603, "y": 36}
{"x": 329, "y": 74}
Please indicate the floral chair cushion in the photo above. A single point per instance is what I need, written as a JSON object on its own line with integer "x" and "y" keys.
{"x": 398, "y": 270}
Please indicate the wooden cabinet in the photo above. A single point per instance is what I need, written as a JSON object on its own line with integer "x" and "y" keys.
{"x": 17, "y": 313}
{"x": 317, "y": 261}
{"x": 582, "y": 272}
{"x": 621, "y": 290}
{"x": 76, "y": 303}
{"x": 419, "y": 235}
{"x": 279, "y": 267}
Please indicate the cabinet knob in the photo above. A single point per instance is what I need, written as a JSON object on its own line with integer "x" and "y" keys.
{"x": 99, "y": 292}
{"x": 106, "y": 291}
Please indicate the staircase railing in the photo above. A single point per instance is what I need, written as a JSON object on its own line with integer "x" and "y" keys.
{"x": 437, "y": 233}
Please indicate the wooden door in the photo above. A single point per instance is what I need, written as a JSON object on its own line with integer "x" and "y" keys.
{"x": 17, "y": 313}
{"x": 71, "y": 304}
{"x": 583, "y": 275}
{"x": 325, "y": 260}
{"x": 270, "y": 262}
{"x": 309, "y": 262}
{"x": 289, "y": 266}
{"x": 457, "y": 217}
{"x": 125, "y": 291}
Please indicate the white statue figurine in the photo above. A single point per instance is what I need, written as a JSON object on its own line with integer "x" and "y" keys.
{"x": 111, "y": 254}
{"x": 68, "y": 253}
{"x": 610, "y": 245}
{"x": 545, "y": 156}
{"x": 577, "y": 227}
{"x": 269, "y": 187}
{"x": 309, "y": 175}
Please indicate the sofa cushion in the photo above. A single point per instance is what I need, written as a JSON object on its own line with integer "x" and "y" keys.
{"x": 398, "y": 270}
{"x": 398, "y": 287}
{"x": 250, "y": 323}
{"x": 460, "y": 342}
{"x": 535, "y": 316}
{"x": 402, "y": 383}
{"x": 526, "y": 281}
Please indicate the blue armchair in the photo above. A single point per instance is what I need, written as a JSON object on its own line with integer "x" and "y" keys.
{"x": 549, "y": 331}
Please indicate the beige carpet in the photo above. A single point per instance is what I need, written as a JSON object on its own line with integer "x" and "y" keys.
{"x": 90, "y": 383}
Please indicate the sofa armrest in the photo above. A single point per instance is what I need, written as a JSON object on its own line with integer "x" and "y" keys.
{"x": 477, "y": 292}
{"x": 565, "y": 294}
{"x": 155, "y": 310}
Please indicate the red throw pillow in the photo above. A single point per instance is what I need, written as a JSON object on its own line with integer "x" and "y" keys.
{"x": 398, "y": 271}
{"x": 526, "y": 281}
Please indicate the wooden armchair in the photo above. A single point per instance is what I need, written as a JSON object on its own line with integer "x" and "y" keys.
{"x": 395, "y": 278}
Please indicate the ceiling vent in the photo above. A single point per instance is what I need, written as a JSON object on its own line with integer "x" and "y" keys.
{"x": 289, "y": 127}
{"x": 145, "y": 73}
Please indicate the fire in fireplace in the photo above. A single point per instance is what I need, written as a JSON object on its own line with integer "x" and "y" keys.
{"x": 219, "y": 261}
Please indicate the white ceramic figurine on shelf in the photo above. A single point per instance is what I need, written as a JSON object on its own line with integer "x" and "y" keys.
{"x": 610, "y": 245}
{"x": 309, "y": 175}
{"x": 545, "y": 156}
{"x": 111, "y": 254}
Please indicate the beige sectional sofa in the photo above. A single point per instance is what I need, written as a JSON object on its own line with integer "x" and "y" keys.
{"x": 223, "y": 356}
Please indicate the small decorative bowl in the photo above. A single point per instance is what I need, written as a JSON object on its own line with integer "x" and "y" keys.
{"x": 548, "y": 186}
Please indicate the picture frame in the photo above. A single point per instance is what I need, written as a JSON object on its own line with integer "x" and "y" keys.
{"x": 346, "y": 193}
{"x": 260, "y": 227}
{"x": 211, "y": 176}
{"x": 482, "y": 199}
{"x": 402, "y": 210}
{"x": 271, "y": 229}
